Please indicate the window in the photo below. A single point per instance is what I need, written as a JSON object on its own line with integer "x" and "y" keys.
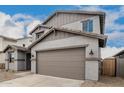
{"x": 39, "y": 34}
{"x": 23, "y": 45}
{"x": 11, "y": 56}
{"x": 87, "y": 25}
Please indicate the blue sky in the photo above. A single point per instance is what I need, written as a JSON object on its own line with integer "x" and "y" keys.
{"x": 19, "y": 20}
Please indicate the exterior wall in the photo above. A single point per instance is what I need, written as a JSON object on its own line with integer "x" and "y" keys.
{"x": 7, "y": 42}
{"x": 72, "y": 41}
{"x": 65, "y": 18}
{"x": 58, "y": 35}
{"x": 120, "y": 66}
{"x": 21, "y": 60}
{"x": 2, "y": 57}
{"x": 3, "y": 44}
{"x": 77, "y": 25}
{"x": 26, "y": 41}
{"x": 36, "y": 31}
{"x": 91, "y": 70}
{"x": 13, "y": 65}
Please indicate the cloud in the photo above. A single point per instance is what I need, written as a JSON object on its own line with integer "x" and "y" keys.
{"x": 112, "y": 51}
{"x": 16, "y": 26}
{"x": 21, "y": 16}
{"x": 32, "y": 25}
{"x": 115, "y": 35}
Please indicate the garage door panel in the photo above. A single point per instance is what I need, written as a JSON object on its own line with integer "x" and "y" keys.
{"x": 66, "y": 63}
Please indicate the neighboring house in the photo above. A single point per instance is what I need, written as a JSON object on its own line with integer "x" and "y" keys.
{"x": 67, "y": 45}
{"x": 120, "y": 63}
{"x": 4, "y": 42}
{"x": 24, "y": 42}
{"x": 17, "y": 56}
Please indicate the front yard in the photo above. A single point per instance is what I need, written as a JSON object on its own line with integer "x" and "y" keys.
{"x": 34, "y": 80}
{"x": 4, "y": 76}
{"x": 105, "y": 81}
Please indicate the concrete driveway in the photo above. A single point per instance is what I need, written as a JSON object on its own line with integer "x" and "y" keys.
{"x": 36, "y": 80}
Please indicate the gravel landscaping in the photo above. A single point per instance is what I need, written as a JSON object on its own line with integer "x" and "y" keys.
{"x": 4, "y": 76}
{"x": 105, "y": 82}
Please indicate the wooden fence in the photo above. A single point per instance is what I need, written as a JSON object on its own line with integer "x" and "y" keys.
{"x": 2, "y": 66}
{"x": 109, "y": 67}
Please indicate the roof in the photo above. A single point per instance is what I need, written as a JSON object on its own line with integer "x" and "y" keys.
{"x": 119, "y": 53}
{"x": 88, "y": 34}
{"x": 108, "y": 58}
{"x": 99, "y": 13}
{"x": 8, "y": 38}
{"x": 15, "y": 47}
{"x": 24, "y": 38}
{"x": 39, "y": 25}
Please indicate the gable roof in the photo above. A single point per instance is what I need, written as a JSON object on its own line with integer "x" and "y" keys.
{"x": 39, "y": 25}
{"x": 8, "y": 38}
{"x": 119, "y": 53}
{"x": 88, "y": 34}
{"x": 99, "y": 13}
{"x": 15, "y": 47}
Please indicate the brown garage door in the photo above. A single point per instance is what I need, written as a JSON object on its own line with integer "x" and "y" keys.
{"x": 66, "y": 63}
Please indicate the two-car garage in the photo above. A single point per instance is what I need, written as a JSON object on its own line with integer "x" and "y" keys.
{"x": 66, "y": 63}
{"x": 66, "y": 54}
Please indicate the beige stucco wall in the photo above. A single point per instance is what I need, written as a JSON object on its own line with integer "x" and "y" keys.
{"x": 72, "y": 41}
{"x": 77, "y": 25}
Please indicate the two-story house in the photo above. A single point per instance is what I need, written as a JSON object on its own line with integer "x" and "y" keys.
{"x": 67, "y": 44}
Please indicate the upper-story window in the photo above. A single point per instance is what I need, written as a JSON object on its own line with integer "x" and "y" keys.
{"x": 23, "y": 45}
{"x": 38, "y": 35}
{"x": 87, "y": 25}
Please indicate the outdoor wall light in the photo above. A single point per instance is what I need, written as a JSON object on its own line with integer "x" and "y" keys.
{"x": 32, "y": 55}
{"x": 91, "y": 52}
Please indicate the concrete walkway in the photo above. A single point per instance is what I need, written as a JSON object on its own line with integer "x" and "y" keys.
{"x": 36, "y": 80}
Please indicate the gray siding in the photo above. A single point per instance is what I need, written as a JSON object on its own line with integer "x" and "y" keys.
{"x": 58, "y": 35}
{"x": 120, "y": 67}
{"x": 65, "y": 18}
{"x": 21, "y": 61}
{"x": 34, "y": 35}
